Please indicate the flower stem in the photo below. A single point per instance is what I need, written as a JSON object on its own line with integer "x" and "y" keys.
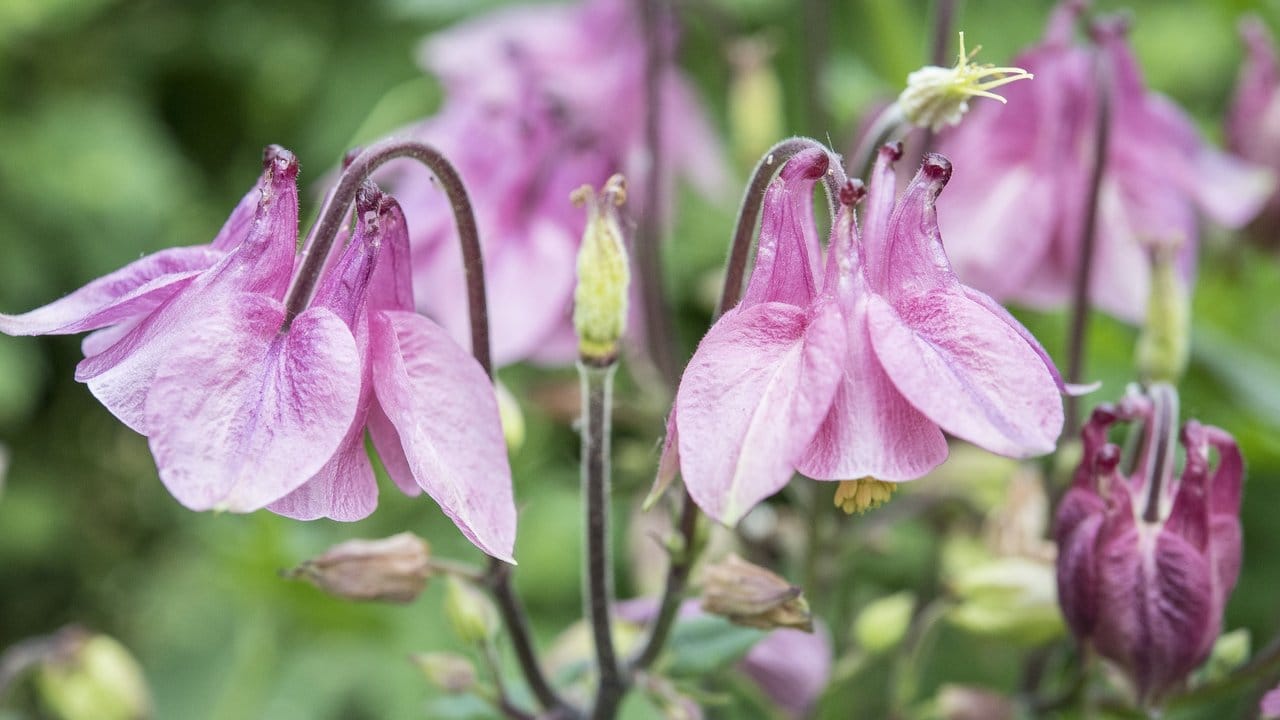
{"x": 944, "y": 12}
{"x": 673, "y": 591}
{"x": 319, "y": 244}
{"x": 1084, "y": 271}
{"x": 658, "y": 331}
{"x": 334, "y": 214}
{"x": 597, "y": 401}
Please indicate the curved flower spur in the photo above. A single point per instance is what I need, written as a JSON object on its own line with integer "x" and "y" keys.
{"x": 861, "y": 377}
{"x": 252, "y": 399}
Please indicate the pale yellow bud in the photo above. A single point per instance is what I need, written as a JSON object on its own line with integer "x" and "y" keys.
{"x": 750, "y": 595}
{"x": 604, "y": 274}
{"x": 393, "y": 569}
{"x": 936, "y": 97}
{"x": 470, "y": 611}
{"x": 511, "y": 416}
{"x": 92, "y": 677}
{"x": 1164, "y": 345}
{"x": 884, "y": 622}
{"x": 450, "y": 672}
{"x": 862, "y": 495}
{"x": 755, "y": 100}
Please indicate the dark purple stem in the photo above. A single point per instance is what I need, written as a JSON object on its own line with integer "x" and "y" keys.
{"x": 320, "y": 242}
{"x": 1084, "y": 272}
{"x": 658, "y": 330}
{"x": 334, "y": 214}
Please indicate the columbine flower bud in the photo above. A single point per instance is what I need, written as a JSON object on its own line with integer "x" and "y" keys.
{"x": 512, "y": 417}
{"x": 750, "y": 595}
{"x": 1165, "y": 343}
{"x": 393, "y": 569}
{"x": 471, "y": 613}
{"x": 1147, "y": 559}
{"x": 450, "y": 672}
{"x": 1010, "y": 598}
{"x": 884, "y": 622}
{"x": 862, "y": 495}
{"x": 755, "y": 101}
{"x": 92, "y": 677}
{"x": 600, "y": 299}
{"x": 936, "y": 97}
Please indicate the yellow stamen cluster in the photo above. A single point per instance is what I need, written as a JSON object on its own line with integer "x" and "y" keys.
{"x": 862, "y": 495}
{"x": 936, "y": 97}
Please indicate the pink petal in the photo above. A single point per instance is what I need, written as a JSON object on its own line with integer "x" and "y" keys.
{"x": 241, "y": 414}
{"x": 871, "y": 430}
{"x": 444, "y": 408}
{"x": 998, "y": 310}
{"x": 968, "y": 371}
{"x": 755, "y": 392}
{"x": 345, "y": 489}
{"x": 392, "y": 284}
{"x": 1076, "y": 527}
{"x": 134, "y": 290}
{"x": 784, "y": 269}
{"x": 386, "y": 440}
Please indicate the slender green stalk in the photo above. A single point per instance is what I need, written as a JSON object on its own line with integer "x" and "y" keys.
{"x": 597, "y": 401}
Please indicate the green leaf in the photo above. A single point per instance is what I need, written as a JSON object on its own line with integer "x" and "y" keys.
{"x": 705, "y": 644}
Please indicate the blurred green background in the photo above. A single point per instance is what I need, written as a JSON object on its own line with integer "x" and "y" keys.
{"x": 127, "y": 126}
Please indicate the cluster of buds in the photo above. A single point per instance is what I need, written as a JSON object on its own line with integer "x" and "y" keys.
{"x": 1147, "y": 560}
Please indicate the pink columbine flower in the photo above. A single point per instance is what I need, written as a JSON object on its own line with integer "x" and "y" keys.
{"x": 855, "y": 370}
{"x": 539, "y": 100}
{"x": 1013, "y": 218}
{"x": 245, "y": 407}
{"x": 1146, "y": 562}
{"x": 1253, "y": 121}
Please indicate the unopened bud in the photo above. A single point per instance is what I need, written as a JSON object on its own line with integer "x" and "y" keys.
{"x": 604, "y": 274}
{"x": 750, "y": 595}
{"x": 884, "y": 622}
{"x": 1230, "y": 651}
{"x": 1010, "y": 598}
{"x": 859, "y": 496}
{"x": 471, "y": 613}
{"x": 92, "y": 677}
{"x": 936, "y": 97}
{"x": 393, "y": 569}
{"x": 450, "y": 672}
{"x": 1164, "y": 345}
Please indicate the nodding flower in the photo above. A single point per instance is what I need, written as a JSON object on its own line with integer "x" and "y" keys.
{"x": 1147, "y": 556}
{"x": 853, "y": 366}
{"x": 247, "y": 405}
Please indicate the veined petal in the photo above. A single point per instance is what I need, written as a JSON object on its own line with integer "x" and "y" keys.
{"x": 998, "y": 310}
{"x": 1076, "y": 527}
{"x": 392, "y": 284}
{"x": 386, "y": 440}
{"x": 134, "y": 290}
{"x": 445, "y": 411}
{"x": 345, "y": 489}
{"x": 968, "y": 371}
{"x": 120, "y": 376}
{"x": 241, "y": 414}
{"x": 871, "y": 430}
{"x": 750, "y": 401}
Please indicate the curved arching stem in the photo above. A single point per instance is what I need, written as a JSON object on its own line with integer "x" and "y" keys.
{"x": 319, "y": 244}
{"x": 735, "y": 273}
{"x": 334, "y": 214}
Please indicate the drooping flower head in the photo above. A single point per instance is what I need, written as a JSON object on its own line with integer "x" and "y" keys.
{"x": 248, "y": 404}
{"x": 538, "y": 102}
{"x": 854, "y": 366}
{"x": 1014, "y": 217}
{"x": 1148, "y": 558}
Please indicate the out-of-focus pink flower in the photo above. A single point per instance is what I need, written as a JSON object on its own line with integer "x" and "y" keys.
{"x": 538, "y": 102}
{"x": 1014, "y": 215}
{"x": 246, "y": 409}
{"x": 861, "y": 377}
{"x": 1269, "y": 708}
{"x": 1253, "y": 121}
{"x": 1146, "y": 562}
{"x": 792, "y": 667}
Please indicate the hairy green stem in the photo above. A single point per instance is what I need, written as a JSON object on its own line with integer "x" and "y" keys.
{"x": 597, "y": 401}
